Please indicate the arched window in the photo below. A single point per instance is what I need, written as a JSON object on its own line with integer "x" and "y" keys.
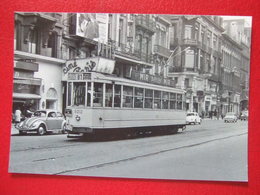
{"x": 51, "y": 99}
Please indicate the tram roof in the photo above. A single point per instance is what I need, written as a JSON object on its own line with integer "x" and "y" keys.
{"x": 125, "y": 81}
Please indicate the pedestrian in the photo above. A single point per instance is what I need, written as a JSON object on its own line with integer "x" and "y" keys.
{"x": 210, "y": 114}
{"x": 17, "y": 116}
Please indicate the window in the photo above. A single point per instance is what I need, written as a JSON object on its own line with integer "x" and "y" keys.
{"x": 52, "y": 115}
{"x": 117, "y": 96}
{"x": 188, "y": 32}
{"x": 157, "y": 99}
{"x": 139, "y": 97}
{"x": 88, "y": 93}
{"x": 127, "y": 97}
{"x": 179, "y": 101}
{"x": 172, "y": 100}
{"x": 69, "y": 93}
{"x": 98, "y": 95}
{"x": 109, "y": 95}
{"x": 165, "y": 100}
{"x": 148, "y": 103}
{"x": 59, "y": 114}
{"x": 79, "y": 89}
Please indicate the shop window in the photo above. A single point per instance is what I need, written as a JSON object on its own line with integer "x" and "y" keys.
{"x": 98, "y": 95}
{"x": 127, "y": 97}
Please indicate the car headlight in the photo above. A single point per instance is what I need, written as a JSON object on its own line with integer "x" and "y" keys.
{"x": 21, "y": 124}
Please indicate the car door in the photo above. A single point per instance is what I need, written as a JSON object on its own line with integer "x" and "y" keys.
{"x": 60, "y": 120}
{"x": 52, "y": 120}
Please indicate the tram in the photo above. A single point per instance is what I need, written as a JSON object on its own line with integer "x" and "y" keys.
{"x": 102, "y": 103}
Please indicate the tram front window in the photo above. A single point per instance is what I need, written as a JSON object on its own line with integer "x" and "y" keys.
{"x": 98, "y": 95}
{"x": 79, "y": 89}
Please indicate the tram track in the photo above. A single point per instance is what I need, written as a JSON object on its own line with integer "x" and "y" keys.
{"x": 144, "y": 155}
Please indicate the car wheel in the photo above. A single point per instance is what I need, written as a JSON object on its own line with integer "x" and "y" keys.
{"x": 41, "y": 130}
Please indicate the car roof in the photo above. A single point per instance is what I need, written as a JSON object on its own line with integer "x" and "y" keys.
{"x": 48, "y": 110}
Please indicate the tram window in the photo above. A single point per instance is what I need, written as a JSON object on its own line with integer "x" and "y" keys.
{"x": 148, "y": 101}
{"x": 117, "y": 96}
{"x": 157, "y": 99}
{"x": 109, "y": 95}
{"x": 69, "y": 93}
{"x": 127, "y": 97}
{"x": 139, "y": 97}
{"x": 165, "y": 100}
{"x": 172, "y": 100}
{"x": 98, "y": 95}
{"x": 179, "y": 101}
{"x": 79, "y": 89}
{"x": 88, "y": 94}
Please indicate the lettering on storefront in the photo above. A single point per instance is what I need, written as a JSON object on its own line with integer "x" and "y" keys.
{"x": 73, "y": 67}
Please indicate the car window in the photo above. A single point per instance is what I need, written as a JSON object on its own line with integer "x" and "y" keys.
{"x": 190, "y": 114}
{"x": 52, "y": 114}
{"x": 59, "y": 114}
{"x": 39, "y": 113}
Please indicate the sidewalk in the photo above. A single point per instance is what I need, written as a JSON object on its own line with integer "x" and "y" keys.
{"x": 14, "y": 131}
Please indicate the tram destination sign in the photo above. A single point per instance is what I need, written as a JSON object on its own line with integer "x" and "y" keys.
{"x": 138, "y": 76}
{"x": 79, "y": 76}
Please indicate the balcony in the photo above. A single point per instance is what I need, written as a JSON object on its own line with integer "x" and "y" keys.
{"x": 145, "y": 23}
{"x": 162, "y": 51}
{"x": 130, "y": 52}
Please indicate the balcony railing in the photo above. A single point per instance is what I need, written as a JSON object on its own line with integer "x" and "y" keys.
{"x": 146, "y": 23}
{"x": 131, "y": 52}
{"x": 162, "y": 51}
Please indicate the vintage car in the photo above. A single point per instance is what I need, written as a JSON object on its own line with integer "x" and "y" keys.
{"x": 193, "y": 118}
{"x": 42, "y": 122}
{"x": 230, "y": 117}
{"x": 244, "y": 115}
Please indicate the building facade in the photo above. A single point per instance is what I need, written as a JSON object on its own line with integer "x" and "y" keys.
{"x": 188, "y": 52}
{"x": 195, "y": 65}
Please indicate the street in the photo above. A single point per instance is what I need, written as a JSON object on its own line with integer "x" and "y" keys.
{"x": 213, "y": 150}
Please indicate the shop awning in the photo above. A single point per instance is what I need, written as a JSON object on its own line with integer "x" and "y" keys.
{"x": 26, "y": 96}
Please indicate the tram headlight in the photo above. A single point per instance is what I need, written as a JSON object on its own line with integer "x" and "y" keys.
{"x": 77, "y": 118}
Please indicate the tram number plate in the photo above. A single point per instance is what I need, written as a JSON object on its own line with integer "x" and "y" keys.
{"x": 78, "y": 111}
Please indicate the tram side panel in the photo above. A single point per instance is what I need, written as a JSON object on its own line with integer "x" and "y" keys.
{"x": 97, "y": 119}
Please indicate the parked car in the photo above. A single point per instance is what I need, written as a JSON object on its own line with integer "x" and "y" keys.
{"x": 43, "y": 121}
{"x": 244, "y": 115}
{"x": 193, "y": 118}
{"x": 230, "y": 117}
